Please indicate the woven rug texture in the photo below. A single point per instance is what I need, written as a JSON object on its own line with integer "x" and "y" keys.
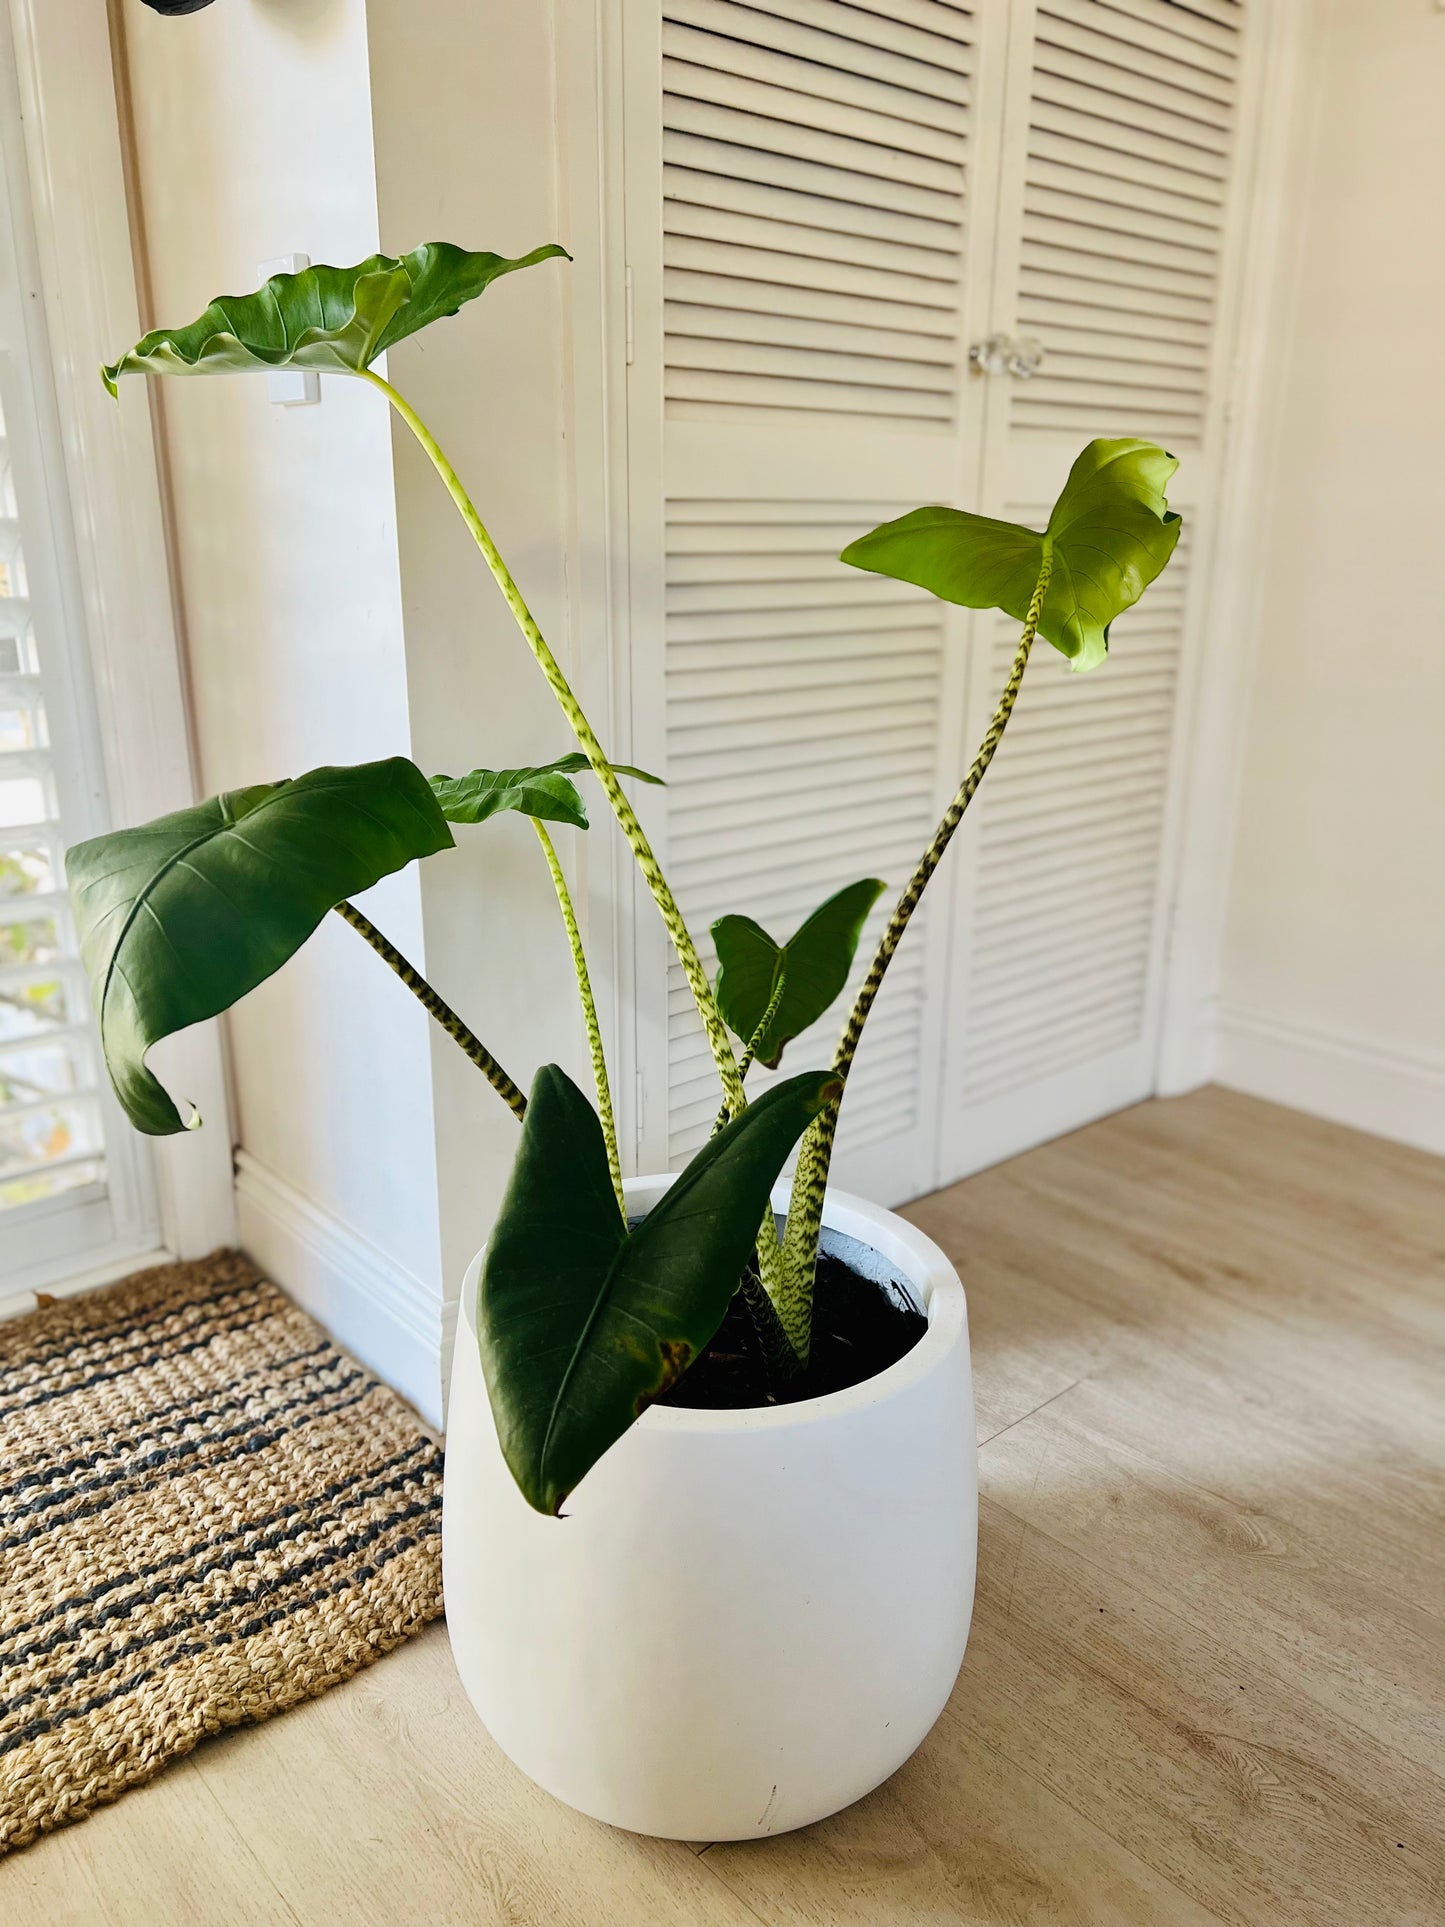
{"x": 207, "y": 1514}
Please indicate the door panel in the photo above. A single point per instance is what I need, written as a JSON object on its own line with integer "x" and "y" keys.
{"x": 815, "y": 281}
{"x": 1115, "y": 195}
{"x": 802, "y": 729}
{"x": 827, "y": 203}
{"x": 1064, "y": 884}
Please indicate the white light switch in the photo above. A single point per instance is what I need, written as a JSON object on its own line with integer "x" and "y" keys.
{"x": 290, "y": 387}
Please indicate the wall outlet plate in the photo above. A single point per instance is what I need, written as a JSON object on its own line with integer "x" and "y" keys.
{"x": 290, "y": 387}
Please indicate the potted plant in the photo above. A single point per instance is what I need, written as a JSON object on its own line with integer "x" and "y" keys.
{"x": 711, "y": 1498}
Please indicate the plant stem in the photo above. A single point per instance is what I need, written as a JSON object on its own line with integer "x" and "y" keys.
{"x": 589, "y": 1012}
{"x": 677, "y": 929}
{"x": 805, "y": 1211}
{"x": 433, "y": 1004}
{"x": 780, "y": 1361}
{"x": 745, "y": 1062}
{"x": 755, "y": 1041}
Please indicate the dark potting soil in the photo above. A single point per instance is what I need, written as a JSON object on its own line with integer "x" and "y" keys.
{"x": 860, "y": 1328}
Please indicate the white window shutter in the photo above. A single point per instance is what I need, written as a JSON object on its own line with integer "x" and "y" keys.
{"x": 51, "y": 1140}
{"x": 74, "y": 1181}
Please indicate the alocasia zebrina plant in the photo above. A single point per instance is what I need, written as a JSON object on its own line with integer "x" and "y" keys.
{"x": 583, "y": 1319}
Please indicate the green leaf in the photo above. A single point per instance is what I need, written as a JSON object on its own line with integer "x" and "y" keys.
{"x": 181, "y": 917}
{"x": 338, "y": 319}
{"x": 1110, "y": 534}
{"x": 581, "y": 1323}
{"x": 543, "y": 789}
{"x": 813, "y": 966}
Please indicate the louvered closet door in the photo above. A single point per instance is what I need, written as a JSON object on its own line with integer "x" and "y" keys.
{"x": 1120, "y": 139}
{"x": 805, "y": 170}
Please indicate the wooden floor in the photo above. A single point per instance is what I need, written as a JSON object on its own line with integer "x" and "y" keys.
{"x": 1207, "y": 1668}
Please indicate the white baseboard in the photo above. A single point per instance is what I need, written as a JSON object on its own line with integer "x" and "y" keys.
{"x": 1188, "y": 1050}
{"x": 381, "y": 1312}
{"x": 14, "y": 1304}
{"x": 1350, "y": 1080}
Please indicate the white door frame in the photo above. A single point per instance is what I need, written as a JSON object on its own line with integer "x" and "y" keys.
{"x": 76, "y": 158}
{"x": 590, "y": 56}
{"x": 1260, "y": 273}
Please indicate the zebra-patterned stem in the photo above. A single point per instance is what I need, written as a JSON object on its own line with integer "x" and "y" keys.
{"x": 765, "y": 1293}
{"x": 780, "y": 1357}
{"x": 717, "y": 1035}
{"x": 435, "y": 1007}
{"x": 770, "y": 1257}
{"x": 810, "y": 1180}
{"x": 794, "y": 1304}
{"x": 589, "y": 1012}
{"x": 745, "y": 1062}
{"x": 943, "y": 835}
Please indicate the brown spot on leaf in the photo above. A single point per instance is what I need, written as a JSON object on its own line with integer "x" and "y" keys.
{"x": 676, "y": 1357}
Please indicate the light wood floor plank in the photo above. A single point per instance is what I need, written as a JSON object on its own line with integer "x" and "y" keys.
{"x": 1188, "y": 1752}
{"x": 1255, "y": 1578}
{"x": 56, "y": 1888}
{"x": 397, "y": 1806}
{"x": 959, "y": 1835}
{"x": 165, "y": 1859}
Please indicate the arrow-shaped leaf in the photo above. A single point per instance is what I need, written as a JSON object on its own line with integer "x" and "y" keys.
{"x": 339, "y": 319}
{"x": 181, "y": 917}
{"x": 1110, "y": 534}
{"x": 542, "y": 789}
{"x": 812, "y": 967}
{"x": 582, "y": 1324}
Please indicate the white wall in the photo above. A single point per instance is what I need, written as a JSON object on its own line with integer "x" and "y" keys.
{"x": 336, "y": 608}
{"x": 466, "y": 151}
{"x": 253, "y": 136}
{"x": 1333, "y": 983}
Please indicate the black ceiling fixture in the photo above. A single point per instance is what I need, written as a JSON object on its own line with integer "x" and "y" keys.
{"x": 176, "y": 6}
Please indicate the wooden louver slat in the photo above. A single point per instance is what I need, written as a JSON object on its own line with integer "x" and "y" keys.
{"x": 813, "y": 211}
{"x": 1070, "y": 828}
{"x": 1131, "y": 133}
{"x": 801, "y": 731}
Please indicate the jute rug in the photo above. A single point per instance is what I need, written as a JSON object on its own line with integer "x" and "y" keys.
{"x": 207, "y": 1513}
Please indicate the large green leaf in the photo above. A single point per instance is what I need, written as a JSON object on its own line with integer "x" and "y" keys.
{"x": 339, "y": 319}
{"x": 581, "y": 1323}
{"x": 812, "y": 967}
{"x": 181, "y": 917}
{"x": 543, "y": 789}
{"x": 1110, "y": 533}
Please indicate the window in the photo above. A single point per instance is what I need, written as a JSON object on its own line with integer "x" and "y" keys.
{"x": 51, "y": 1140}
{"x": 75, "y": 1185}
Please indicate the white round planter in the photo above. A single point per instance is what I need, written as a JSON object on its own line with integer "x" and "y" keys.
{"x": 743, "y": 1621}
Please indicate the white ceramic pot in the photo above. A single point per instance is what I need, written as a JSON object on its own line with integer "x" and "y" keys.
{"x": 743, "y": 1621}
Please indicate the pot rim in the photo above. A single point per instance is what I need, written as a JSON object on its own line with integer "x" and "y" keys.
{"x": 927, "y": 1269}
